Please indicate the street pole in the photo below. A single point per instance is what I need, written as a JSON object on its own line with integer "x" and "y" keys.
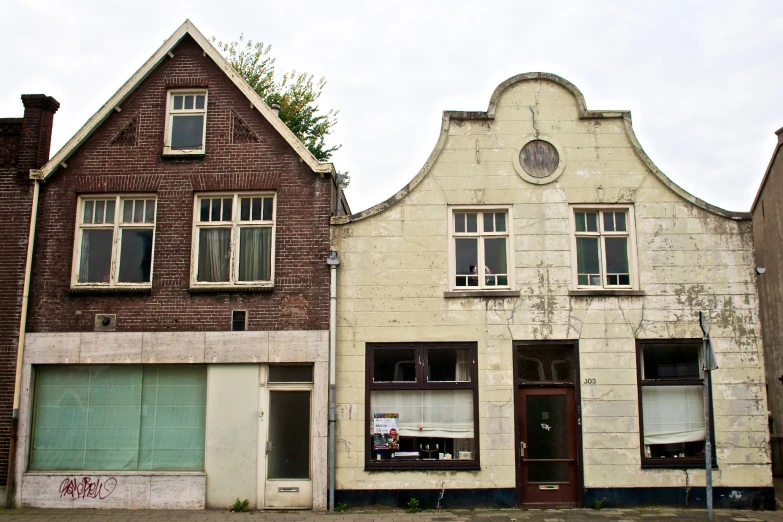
{"x": 708, "y": 366}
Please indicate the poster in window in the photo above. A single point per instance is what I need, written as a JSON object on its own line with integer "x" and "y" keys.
{"x": 384, "y": 428}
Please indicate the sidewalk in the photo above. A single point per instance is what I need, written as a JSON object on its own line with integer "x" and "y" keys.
{"x": 549, "y": 515}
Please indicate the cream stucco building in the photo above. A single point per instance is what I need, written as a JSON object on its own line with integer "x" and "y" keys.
{"x": 520, "y": 323}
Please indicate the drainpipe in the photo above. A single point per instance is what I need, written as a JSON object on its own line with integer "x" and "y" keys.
{"x": 333, "y": 261}
{"x": 10, "y": 483}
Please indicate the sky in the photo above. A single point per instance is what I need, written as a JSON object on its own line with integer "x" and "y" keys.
{"x": 701, "y": 79}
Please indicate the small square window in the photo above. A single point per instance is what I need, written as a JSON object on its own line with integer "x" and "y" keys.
{"x": 604, "y": 248}
{"x": 239, "y": 320}
{"x": 186, "y": 122}
{"x": 114, "y": 247}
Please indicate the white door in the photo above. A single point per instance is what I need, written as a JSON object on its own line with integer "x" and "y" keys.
{"x": 288, "y": 447}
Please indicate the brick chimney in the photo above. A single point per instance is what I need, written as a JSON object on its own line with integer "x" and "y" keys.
{"x": 36, "y": 137}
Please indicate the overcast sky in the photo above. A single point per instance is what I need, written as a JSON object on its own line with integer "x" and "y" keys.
{"x": 703, "y": 80}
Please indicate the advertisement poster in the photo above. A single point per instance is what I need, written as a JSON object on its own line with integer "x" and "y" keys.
{"x": 385, "y": 436}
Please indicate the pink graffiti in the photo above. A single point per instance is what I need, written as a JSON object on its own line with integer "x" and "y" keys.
{"x": 86, "y": 488}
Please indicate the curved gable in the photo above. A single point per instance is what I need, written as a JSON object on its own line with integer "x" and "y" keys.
{"x": 509, "y": 102}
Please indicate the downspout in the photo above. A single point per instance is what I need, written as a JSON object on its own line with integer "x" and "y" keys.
{"x": 333, "y": 261}
{"x": 10, "y": 482}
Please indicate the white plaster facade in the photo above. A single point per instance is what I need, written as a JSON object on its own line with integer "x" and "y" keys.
{"x": 236, "y": 416}
{"x": 393, "y": 286}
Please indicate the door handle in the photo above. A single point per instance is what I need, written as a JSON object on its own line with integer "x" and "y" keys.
{"x": 522, "y": 447}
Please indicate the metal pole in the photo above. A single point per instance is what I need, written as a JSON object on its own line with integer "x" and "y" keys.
{"x": 707, "y": 366}
{"x": 707, "y": 443}
{"x": 333, "y": 261}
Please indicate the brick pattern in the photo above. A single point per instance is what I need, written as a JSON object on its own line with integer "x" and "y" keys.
{"x": 15, "y": 200}
{"x": 300, "y": 297}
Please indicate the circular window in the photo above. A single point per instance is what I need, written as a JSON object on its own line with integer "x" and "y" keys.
{"x": 539, "y": 158}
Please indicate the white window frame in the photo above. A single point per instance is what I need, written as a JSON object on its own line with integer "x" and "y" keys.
{"x": 510, "y": 247}
{"x": 233, "y": 281}
{"x": 630, "y": 233}
{"x": 117, "y": 227}
{"x": 170, "y": 113}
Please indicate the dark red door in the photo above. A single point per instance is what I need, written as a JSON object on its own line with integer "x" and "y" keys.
{"x": 548, "y": 458}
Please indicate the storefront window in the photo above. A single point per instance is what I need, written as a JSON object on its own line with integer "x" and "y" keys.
{"x": 421, "y": 407}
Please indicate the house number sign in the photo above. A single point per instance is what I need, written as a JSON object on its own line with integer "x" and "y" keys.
{"x": 589, "y": 381}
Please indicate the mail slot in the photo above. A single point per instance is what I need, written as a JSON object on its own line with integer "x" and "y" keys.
{"x": 549, "y": 486}
{"x": 288, "y": 490}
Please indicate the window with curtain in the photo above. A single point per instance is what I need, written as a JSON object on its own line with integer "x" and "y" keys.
{"x": 114, "y": 241}
{"x": 604, "y": 247}
{"x": 234, "y": 240}
{"x": 421, "y": 408}
{"x": 119, "y": 418}
{"x": 481, "y": 248}
{"x": 671, "y": 392}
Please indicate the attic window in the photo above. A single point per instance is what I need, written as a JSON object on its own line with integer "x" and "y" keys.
{"x": 186, "y": 122}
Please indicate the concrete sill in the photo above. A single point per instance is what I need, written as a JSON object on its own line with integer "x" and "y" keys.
{"x": 434, "y": 467}
{"x": 230, "y": 289}
{"x": 606, "y": 293}
{"x": 673, "y": 464}
{"x": 482, "y": 293}
{"x": 169, "y": 157}
{"x": 110, "y": 290}
{"x": 139, "y": 473}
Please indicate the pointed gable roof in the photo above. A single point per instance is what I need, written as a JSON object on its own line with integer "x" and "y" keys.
{"x": 186, "y": 29}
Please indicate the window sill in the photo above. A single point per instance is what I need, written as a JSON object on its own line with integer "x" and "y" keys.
{"x": 455, "y": 465}
{"x": 606, "y": 293}
{"x": 229, "y": 289}
{"x": 674, "y": 464}
{"x": 189, "y": 156}
{"x": 110, "y": 290}
{"x": 482, "y": 293}
{"x": 140, "y": 472}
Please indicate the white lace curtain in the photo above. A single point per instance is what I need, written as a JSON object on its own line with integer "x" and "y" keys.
{"x": 436, "y": 413}
{"x": 673, "y": 414}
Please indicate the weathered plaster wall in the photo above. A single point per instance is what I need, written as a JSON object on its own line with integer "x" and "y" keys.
{"x": 768, "y": 242}
{"x": 394, "y": 274}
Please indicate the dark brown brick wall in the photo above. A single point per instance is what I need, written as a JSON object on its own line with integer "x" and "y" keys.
{"x": 768, "y": 249}
{"x": 15, "y": 197}
{"x": 24, "y": 145}
{"x": 300, "y": 297}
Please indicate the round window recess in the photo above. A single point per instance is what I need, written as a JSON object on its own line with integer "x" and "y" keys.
{"x": 539, "y": 161}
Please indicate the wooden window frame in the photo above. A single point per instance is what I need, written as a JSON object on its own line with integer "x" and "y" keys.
{"x": 510, "y": 247}
{"x": 236, "y": 225}
{"x": 680, "y": 462}
{"x": 421, "y": 385}
{"x": 169, "y": 126}
{"x": 117, "y": 227}
{"x": 601, "y": 234}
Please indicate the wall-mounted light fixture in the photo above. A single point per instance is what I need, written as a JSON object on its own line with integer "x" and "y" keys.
{"x": 760, "y": 270}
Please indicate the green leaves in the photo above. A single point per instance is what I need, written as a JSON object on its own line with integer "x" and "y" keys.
{"x": 296, "y": 93}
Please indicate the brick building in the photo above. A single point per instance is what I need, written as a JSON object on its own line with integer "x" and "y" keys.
{"x": 176, "y": 350}
{"x": 24, "y": 145}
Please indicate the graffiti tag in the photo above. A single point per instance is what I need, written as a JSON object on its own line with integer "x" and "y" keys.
{"x": 85, "y": 488}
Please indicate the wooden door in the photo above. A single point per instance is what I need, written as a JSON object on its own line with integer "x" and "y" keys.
{"x": 548, "y": 471}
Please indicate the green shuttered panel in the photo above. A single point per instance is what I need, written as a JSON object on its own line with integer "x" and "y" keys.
{"x": 119, "y": 418}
